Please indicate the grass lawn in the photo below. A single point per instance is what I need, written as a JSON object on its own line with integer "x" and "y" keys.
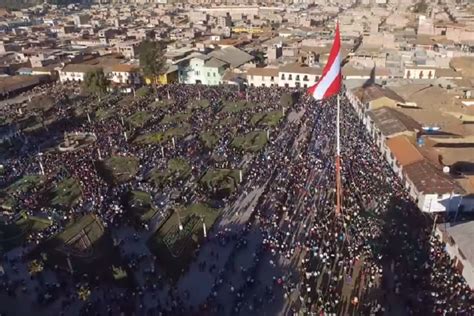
{"x": 177, "y": 118}
{"x": 138, "y": 119}
{"x": 178, "y": 132}
{"x": 209, "y": 138}
{"x": 13, "y": 235}
{"x": 150, "y": 138}
{"x": 140, "y": 205}
{"x": 88, "y": 245}
{"x": 22, "y": 185}
{"x": 221, "y": 180}
{"x": 199, "y": 104}
{"x": 25, "y": 184}
{"x": 66, "y": 193}
{"x": 250, "y": 142}
{"x": 87, "y": 224}
{"x": 236, "y": 106}
{"x": 173, "y": 246}
{"x": 103, "y": 114}
{"x": 118, "y": 169}
{"x": 177, "y": 168}
{"x": 161, "y": 104}
{"x": 269, "y": 119}
{"x": 156, "y": 138}
{"x": 142, "y": 92}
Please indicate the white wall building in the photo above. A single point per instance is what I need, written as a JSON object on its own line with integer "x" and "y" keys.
{"x": 263, "y": 77}
{"x": 295, "y": 76}
{"x": 124, "y": 74}
{"x": 75, "y": 72}
{"x": 458, "y": 239}
{"x": 202, "y": 70}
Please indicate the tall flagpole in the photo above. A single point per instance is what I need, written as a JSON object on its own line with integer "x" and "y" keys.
{"x": 338, "y": 159}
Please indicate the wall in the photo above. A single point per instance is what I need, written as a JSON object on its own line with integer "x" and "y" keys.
{"x": 453, "y": 251}
{"x": 71, "y": 76}
{"x": 260, "y": 81}
{"x": 284, "y": 79}
{"x": 432, "y": 203}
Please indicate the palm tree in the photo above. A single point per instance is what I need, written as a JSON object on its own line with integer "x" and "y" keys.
{"x": 35, "y": 267}
{"x": 84, "y": 292}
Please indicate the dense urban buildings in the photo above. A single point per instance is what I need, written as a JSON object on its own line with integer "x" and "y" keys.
{"x": 163, "y": 157}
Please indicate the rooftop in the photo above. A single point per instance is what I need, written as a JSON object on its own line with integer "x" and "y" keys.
{"x": 231, "y": 55}
{"x": 430, "y": 180}
{"x": 391, "y": 122}
{"x": 83, "y": 68}
{"x": 214, "y": 63}
{"x": 463, "y": 235}
{"x": 266, "y": 72}
{"x": 405, "y": 152}
{"x": 302, "y": 69}
{"x": 373, "y": 92}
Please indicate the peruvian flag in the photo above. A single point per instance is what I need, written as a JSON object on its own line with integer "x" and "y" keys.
{"x": 330, "y": 82}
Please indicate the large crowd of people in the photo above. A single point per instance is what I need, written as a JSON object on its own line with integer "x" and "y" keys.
{"x": 377, "y": 255}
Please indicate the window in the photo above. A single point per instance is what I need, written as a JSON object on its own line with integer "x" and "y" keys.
{"x": 196, "y": 73}
{"x": 286, "y": 85}
{"x": 316, "y": 78}
{"x": 408, "y": 74}
{"x": 263, "y": 85}
{"x": 272, "y": 78}
{"x": 297, "y": 77}
{"x": 214, "y": 74}
{"x": 290, "y": 77}
{"x": 282, "y": 76}
{"x": 305, "y": 85}
{"x": 421, "y": 75}
{"x": 305, "y": 78}
{"x": 208, "y": 74}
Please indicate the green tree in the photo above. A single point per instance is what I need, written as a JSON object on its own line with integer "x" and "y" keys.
{"x": 96, "y": 83}
{"x": 152, "y": 60}
{"x": 259, "y": 58}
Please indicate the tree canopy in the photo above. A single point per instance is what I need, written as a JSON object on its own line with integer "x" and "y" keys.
{"x": 152, "y": 60}
{"x": 95, "y": 82}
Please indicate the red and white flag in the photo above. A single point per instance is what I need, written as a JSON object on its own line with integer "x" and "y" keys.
{"x": 330, "y": 82}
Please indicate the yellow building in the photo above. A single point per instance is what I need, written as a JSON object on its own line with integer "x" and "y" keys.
{"x": 170, "y": 76}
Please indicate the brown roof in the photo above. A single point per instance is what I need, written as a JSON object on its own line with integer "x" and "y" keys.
{"x": 80, "y": 68}
{"x": 123, "y": 68}
{"x": 403, "y": 150}
{"x": 301, "y": 69}
{"x": 427, "y": 179}
{"x": 464, "y": 64}
{"x": 266, "y": 72}
{"x": 390, "y": 121}
{"x": 373, "y": 92}
{"x": 447, "y": 72}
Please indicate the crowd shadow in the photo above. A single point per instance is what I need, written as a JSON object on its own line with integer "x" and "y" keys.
{"x": 405, "y": 247}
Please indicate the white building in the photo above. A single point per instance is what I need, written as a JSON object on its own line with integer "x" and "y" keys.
{"x": 202, "y": 69}
{"x": 263, "y": 77}
{"x": 458, "y": 238}
{"x": 295, "y": 76}
{"x": 75, "y": 72}
{"x": 123, "y": 74}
